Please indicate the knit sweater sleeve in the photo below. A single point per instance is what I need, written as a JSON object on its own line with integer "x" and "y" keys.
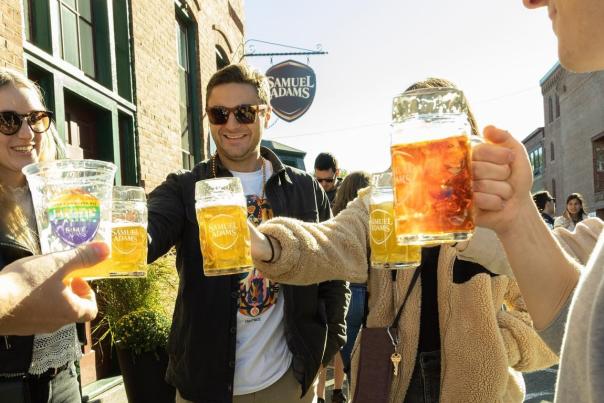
{"x": 314, "y": 252}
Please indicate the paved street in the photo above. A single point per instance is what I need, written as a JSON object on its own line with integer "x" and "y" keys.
{"x": 539, "y": 388}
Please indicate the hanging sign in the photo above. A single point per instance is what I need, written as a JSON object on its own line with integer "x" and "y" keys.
{"x": 292, "y": 86}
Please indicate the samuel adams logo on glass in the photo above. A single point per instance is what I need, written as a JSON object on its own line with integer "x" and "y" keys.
{"x": 293, "y": 86}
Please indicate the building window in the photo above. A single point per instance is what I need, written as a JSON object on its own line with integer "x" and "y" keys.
{"x": 36, "y": 16}
{"x": 598, "y": 151}
{"x": 184, "y": 39}
{"x": 554, "y": 188}
{"x": 557, "y": 106}
{"x": 77, "y": 34}
{"x": 122, "y": 48}
{"x": 552, "y": 155}
{"x": 550, "y": 110}
{"x": 537, "y": 160}
{"x": 222, "y": 60}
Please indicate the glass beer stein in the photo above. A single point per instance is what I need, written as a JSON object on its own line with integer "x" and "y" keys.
{"x": 386, "y": 253}
{"x": 431, "y": 167}
{"x": 128, "y": 238}
{"x": 223, "y": 232}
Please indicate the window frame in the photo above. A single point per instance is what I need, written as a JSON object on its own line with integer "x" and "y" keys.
{"x": 190, "y": 28}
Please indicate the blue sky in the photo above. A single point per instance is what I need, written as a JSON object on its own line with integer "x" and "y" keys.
{"x": 494, "y": 50}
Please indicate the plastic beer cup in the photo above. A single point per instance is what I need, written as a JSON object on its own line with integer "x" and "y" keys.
{"x": 128, "y": 238}
{"x": 72, "y": 202}
{"x": 431, "y": 167}
{"x": 223, "y": 232}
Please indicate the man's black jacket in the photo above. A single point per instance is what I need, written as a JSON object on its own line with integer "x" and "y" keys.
{"x": 203, "y": 335}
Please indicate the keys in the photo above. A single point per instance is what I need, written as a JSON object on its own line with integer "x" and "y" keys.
{"x": 395, "y": 358}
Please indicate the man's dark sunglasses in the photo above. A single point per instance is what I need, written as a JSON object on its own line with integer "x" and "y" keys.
{"x": 245, "y": 114}
{"x": 11, "y": 122}
{"x": 326, "y": 180}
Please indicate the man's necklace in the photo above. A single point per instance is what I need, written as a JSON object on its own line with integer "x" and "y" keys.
{"x": 261, "y": 201}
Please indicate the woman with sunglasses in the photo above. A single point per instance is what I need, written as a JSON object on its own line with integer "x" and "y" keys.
{"x": 458, "y": 342}
{"x": 36, "y": 368}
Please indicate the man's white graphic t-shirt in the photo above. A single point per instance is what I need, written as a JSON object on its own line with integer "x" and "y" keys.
{"x": 262, "y": 355}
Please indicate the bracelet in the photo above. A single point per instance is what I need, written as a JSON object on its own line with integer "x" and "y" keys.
{"x": 268, "y": 238}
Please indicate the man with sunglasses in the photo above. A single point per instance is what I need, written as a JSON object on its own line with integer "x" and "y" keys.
{"x": 244, "y": 338}
{"x": 326, "y": 173}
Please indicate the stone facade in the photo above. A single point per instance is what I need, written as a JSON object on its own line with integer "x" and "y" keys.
{"x": 574, "y": 120}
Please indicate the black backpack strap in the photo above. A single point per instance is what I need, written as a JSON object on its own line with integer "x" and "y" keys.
{"x": 394, "y": 324}
{"x": 400, "y": 311}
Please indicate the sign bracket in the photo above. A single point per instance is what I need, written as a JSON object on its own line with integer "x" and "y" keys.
{"x": 249, "y": 50}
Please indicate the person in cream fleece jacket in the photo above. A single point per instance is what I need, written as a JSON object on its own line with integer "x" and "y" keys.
{"x": 486, "y": 335}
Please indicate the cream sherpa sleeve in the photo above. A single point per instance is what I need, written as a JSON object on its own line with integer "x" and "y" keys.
{"x": 580, "y": 243}
{"x": 485, "y": 249}
{"x": 315, "y": 252}
{"x": 525, "y": 349}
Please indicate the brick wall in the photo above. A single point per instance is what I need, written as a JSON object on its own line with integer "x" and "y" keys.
{"x": 156, "y": 74}
{"x": 11, "y": 42}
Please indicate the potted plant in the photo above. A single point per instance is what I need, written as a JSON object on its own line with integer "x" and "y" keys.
{"x": 136, "y": 315}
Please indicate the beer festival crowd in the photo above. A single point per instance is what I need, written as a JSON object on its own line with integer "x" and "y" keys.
{"x": 442, "y": 279}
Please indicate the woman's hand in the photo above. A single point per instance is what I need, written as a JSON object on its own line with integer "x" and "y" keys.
{"x": 35, "y": 298}
{"x": 261, "y": 246}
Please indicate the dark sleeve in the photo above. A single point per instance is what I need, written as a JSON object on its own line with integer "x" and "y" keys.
{"x": 166, "y": 217}
{"x": 336, "y": 297}
{"x": 334, "y": 294}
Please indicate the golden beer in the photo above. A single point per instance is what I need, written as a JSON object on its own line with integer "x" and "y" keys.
{"x": 431, "y": 165}
{"x": 225, "y": 239}
{"x": 433, "y": 186}
{"x": 128, "y": 237}
{"x": 128, "y": 255}
{"x": 386, "y": 253}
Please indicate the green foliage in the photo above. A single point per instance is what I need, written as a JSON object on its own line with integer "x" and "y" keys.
{"x": 147, "y": 301}
{"x": 142, "y": 331}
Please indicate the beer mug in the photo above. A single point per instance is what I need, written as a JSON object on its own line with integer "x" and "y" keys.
{"x": 386, "y": 253}
{"x": 431, "y": 167}
{"x": 224, "y": 236}
{"x": 128, "y": 238}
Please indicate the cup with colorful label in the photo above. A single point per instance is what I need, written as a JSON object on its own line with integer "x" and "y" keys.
{"x": 72, "y": 202}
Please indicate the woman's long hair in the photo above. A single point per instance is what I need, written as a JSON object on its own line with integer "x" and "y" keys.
{"x": 13, "y": 219}
{"x": 580, "y": 214}
{"x": 348, "y": 190}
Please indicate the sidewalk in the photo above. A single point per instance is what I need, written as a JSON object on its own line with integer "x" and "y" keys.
{"x": 110, "y": 390}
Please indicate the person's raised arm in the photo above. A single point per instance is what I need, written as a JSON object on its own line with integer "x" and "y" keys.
{"x": 308, "y": 253}
{"x": 34, "y": 298}
{"x": 545, "y": 274}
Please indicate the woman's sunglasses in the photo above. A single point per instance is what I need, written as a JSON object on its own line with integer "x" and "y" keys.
{"x": 11, "y": 122}
{"x": 244, "y": 114}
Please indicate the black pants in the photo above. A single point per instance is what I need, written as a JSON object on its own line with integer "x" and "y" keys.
{"x": 424, "y": 386}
